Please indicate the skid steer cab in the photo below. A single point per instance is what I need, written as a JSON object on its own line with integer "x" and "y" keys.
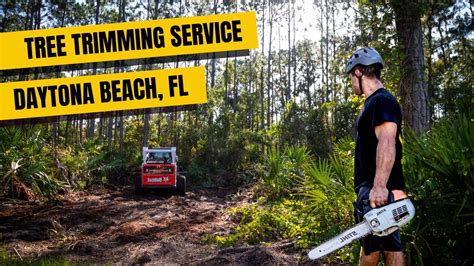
{"x": 160, "y": 170}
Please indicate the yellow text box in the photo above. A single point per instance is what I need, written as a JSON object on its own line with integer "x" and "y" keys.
{"x": 128, "y": 40}
{"x": 102, "y": 93}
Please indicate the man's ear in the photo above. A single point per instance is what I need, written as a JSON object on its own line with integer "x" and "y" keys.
{"x": 358, "y": 73}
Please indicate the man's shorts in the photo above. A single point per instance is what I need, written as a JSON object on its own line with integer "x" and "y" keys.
{"x": 372, "y": 243}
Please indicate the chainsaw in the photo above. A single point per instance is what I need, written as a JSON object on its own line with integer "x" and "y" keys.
{"x": 380, "y": 221}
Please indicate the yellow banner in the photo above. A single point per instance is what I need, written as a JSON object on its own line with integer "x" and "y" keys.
{"x": 102, "y": 93}
{"x": 128, "y": 40}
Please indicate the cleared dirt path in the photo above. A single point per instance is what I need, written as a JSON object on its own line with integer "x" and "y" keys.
{"x": 115, "y": 226}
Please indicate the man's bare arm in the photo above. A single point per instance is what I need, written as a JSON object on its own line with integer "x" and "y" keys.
{"x": 386, "y": 152}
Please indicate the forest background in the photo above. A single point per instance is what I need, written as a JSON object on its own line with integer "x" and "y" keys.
{"x": 280, "y": 121}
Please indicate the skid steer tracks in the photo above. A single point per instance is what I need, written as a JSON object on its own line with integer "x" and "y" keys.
{"x": 115, "y": 226}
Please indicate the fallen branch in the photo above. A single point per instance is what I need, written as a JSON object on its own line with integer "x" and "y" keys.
{"x": 18, "y": 254}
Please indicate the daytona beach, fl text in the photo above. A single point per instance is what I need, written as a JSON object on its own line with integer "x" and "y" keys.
{"x": 82, "y": 93}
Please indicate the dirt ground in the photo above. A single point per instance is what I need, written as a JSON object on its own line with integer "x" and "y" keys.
{"x": 115, "y": 226}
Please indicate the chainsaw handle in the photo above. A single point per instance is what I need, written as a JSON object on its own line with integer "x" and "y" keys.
{"x": 391, "y": 199}
{"x": 362, "y": 209}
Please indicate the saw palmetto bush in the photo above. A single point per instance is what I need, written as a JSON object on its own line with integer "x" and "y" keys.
{"x": 95, "y": 163}
{"x": 277, "y": 214}
{"x": 439, "y": 173}
{"x": 327, "y": 193}
{"x": 30, "y": 168}
{"x": 306, "y": 200}
{"x": 283, "y": 168}
{"x": 25, "y": 164}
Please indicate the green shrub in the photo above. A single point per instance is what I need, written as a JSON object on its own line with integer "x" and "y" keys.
{"x": 304, "y": 200}
{"x": 95, "y": 163}
{"x": 328, "y": 193}
{"x": 25, "y": 164}
{"x": 283, "y": 169}
{"x": 261, "y": 223}
{"x": 438, "y": 167}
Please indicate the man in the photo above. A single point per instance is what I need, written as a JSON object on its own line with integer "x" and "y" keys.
{"x": 378, "y": 169}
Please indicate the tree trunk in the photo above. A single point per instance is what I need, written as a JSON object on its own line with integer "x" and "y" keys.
{"x": 236, "y": 93}
{"x": 326, "y": 6}
{"x": 430, "y": 90}
{"x": 213, "y": 73}
{"x": 262, "y": 110}
{"x": 116, "y": 129}
{"x": 81, "y": 122}
{"x": 158, "y": 129}
{"x": 285, "y": 91}
{"x": 55, "y": 132}
{"x": 412, "y": 85}
{"x": 177, "y": 129}
{"x": 74, "y": 129}
{"x": 250, "y": 106}
{"x": 226, "y": 79}
{"x": 121, "y": 132}
{"x": 91, "y": 121}
{"x": 109, "y": 130}
{"x": 442, "y": 43}
{"x": 293, "y": 55}
{"x": 146, "y": 120}
{"x": 269, "y": 74}
{"x": 288, "y": 90}
{"x": 236, "y": 84}
{"x": 101, "y": 126}
{"x": 146, "y": 127}
{"x": 333, "y": 59}
{"x": 321, "y": 23}
{"x": 66, "y": 134}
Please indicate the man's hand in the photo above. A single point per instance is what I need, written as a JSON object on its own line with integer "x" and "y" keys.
{"x": 378, "y": 196}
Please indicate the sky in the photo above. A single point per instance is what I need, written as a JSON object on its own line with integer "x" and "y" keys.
{"x": 307, "y": 13}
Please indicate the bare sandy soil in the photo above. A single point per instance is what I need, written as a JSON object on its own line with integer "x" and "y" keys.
{"x": 116, "y": 226}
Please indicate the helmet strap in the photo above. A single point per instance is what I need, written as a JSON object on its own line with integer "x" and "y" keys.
{"x": 360, "y": 81}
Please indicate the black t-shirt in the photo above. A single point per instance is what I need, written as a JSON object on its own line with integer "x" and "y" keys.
{"x": 381, "y": 106}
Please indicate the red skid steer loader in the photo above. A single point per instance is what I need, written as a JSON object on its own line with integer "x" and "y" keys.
{"x": 160, "y": 170}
